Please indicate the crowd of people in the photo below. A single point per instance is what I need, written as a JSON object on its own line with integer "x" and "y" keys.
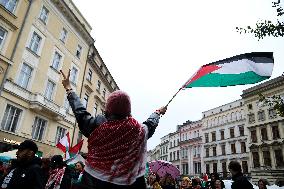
{"x": 29, "y": 171}
{"x": 213, "y": 182}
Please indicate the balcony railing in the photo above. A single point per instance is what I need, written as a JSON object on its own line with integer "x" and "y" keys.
{"x": 38, "y": 102}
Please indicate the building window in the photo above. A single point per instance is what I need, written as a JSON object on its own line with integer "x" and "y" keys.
{"x": 232, "y": 134}
{"x": 245, "y": 166}
{"x": 56, "y": 60}
{"x": 60, "y": 133}
{"x": 207, "y": 168}
{"x": 104, "y": 92}
{"x": 38, "y": 128}
{"x": 222, "y": 133}
{"x": 99, "y": 85}
{"x": 178, "y": 155}
{"x": 63, "y": 35}
{"x": 214, "y": 151}
{"x": 78, "y": 51}
{"x": 35, "y": 42}
{"x": 95, "y": 110}
{"x": 242, "y": 131}
{"x": 214, "y": 167}
{"x": 3, "y": 34}
{"x": 261, "y": 115}
{"x": 223, "y": 148}
{"x": 174, "y": 155}
{"x": 73, "y": 75}
{"x": 213, "y": 136}
{"x": 266, "y": 158}
{"x": 251, "y": 118}
{"x": 66, "y": 104}
{"x": 272, "y": 113}
{"x": 89, "y": 75}
{"x": 206, "y": 138}
{"x": 250, "y": 106}
{"x": 80, "y": 136}
{"x": 253, "y": 136}
{"x": 279, "y": 157}
{"x": 85, "y": 100}
{"x": 224, "y": 169}
{"x": 44, "y": 14}
{"x": 10, "y": 5}
{"x": 11, "y": 118}
{"x": 243, "y": 147}
{"x": 255, "y": 158}
{"x": 263, "y": 133}
{"x": 233, "y": 149}
{"x": 25, "y": 75}
{"x": 49, "y": 90}
{"x": 207, "y": 152}
{"x": 275, "y": 132}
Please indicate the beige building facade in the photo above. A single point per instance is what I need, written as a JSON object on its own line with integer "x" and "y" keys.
{"x": 266, "y": 132}
{"x": 225, "y": 138}
{"x": 53, "y": 36}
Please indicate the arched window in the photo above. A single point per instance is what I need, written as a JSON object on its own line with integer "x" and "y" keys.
{"x": 233, "y": 115}
{"x": 225, "y": 119}
{"x": 220, "y": 121}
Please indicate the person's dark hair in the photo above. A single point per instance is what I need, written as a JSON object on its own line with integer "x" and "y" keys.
{"x": 264, "y": 181}
{"x": 216, "y": 175}
{"x": 1, "y": 163}
{"x": 57, "y": 162}
{"x": 235, "y": 166}
{"x": 81, "y": 163}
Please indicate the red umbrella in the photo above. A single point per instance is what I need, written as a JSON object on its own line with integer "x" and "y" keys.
{"x": 162, "y": 167}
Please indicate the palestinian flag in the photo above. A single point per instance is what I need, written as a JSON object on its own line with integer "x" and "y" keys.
{"x": 242, "y": 69}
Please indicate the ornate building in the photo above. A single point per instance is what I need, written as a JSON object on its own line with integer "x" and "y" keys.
{"x": 266, "y": 132}
{"x": 174, "y": 148}
{"x": 225, "y": 138}
{"x": 164, "y": 148}
{"x": 190, "y": 147}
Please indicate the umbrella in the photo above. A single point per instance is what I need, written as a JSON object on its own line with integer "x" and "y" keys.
{"x": 162, "y": 167}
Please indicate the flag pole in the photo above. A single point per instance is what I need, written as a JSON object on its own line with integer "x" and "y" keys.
{"x": 174, "y": 97}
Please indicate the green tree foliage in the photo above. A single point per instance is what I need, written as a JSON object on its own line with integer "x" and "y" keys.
{"x": 266, "y": 28}
{"x": 275, "y": 101}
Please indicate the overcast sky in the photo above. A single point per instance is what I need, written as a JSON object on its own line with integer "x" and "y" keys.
{"x": 152, "y": 47}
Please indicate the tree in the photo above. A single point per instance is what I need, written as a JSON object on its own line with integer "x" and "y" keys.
{"x": 263, "y": 29}
{"x": 266, "y": 28}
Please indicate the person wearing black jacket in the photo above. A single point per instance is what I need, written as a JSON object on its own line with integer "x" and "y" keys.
{"x": 27, "y": 173}
{"x": 240, "y": 181}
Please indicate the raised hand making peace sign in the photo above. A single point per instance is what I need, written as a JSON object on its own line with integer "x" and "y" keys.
{"x": 65, "y": 81}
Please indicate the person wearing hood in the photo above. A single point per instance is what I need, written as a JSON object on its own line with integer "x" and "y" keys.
{"x": 240, "y": 181}
{"x": 117, "y": 143}
{"x": 27, "y": 172}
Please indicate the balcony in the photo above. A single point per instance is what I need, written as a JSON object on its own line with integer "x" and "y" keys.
{"x": 37, "y": 102}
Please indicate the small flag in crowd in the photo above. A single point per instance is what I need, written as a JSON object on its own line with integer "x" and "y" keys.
{"x": 64, "y": 146}
{"x": 242, "y": 69}
{"x": 64, "y": 143}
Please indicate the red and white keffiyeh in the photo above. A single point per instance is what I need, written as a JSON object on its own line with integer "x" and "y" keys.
{"x": 55, "y": 177}
{"x": 116, "y": 151}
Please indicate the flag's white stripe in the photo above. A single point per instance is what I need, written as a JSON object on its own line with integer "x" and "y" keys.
{"x": 245, "y": 65}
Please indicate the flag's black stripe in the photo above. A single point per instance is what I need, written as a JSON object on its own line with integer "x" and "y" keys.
{"x": 257, "y": 57}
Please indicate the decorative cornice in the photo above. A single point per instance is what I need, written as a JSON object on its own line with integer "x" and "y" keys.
{"x": 273, "y": 83}
{"x": 64, "y": 8}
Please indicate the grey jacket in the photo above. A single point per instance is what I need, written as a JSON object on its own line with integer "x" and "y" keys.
{"x": 87, "y": 123}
